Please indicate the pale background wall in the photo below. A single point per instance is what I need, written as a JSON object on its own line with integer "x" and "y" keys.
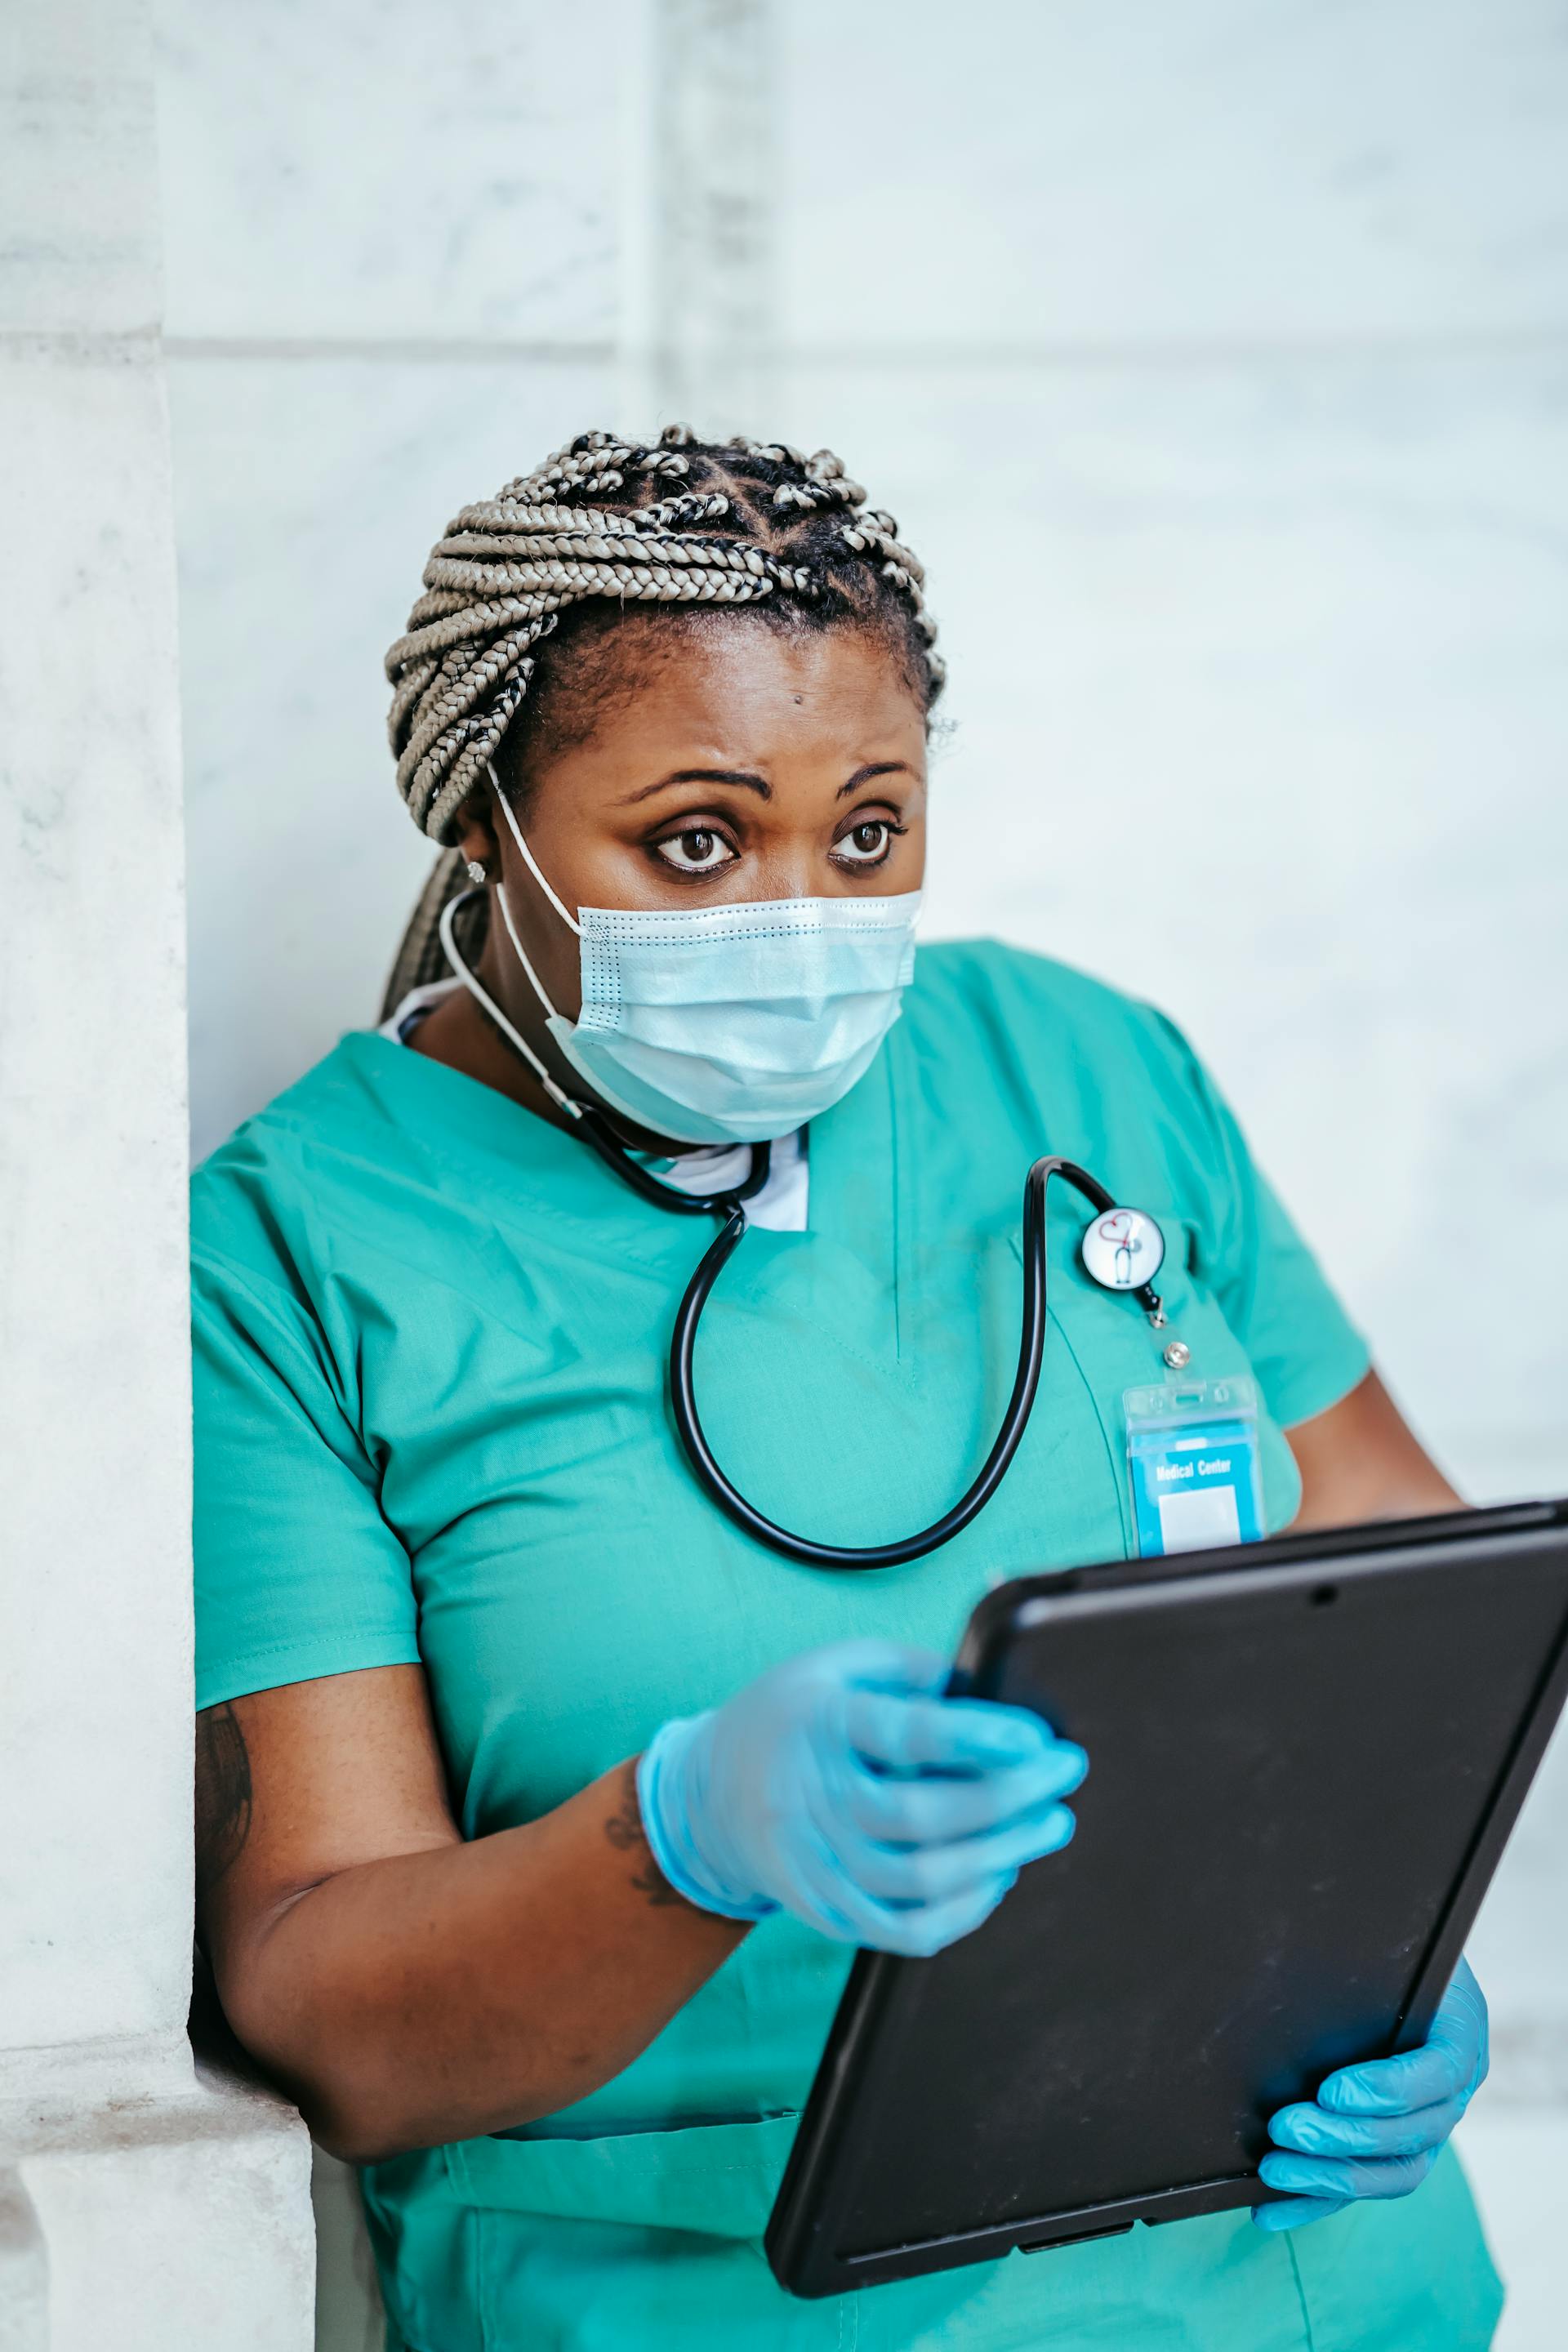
{"x": 136, "y": 2189}
{"x": 1215, "y": 359}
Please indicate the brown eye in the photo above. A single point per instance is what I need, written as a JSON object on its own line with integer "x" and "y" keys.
{"x": 697, "y": 851}
{"x": 866, "y": 844}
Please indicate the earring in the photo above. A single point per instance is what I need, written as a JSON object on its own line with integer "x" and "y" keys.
{"x": 476, "y": 871}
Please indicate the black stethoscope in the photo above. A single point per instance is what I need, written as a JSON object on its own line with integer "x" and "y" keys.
{"x": 1112, "y": 1242}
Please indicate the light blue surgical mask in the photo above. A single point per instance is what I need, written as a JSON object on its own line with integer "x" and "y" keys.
{"x": 727, "y": 1025}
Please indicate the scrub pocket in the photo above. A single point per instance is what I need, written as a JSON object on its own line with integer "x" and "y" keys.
{"x": 1116, "y": 1349}
{"x": 717, "y": 2180}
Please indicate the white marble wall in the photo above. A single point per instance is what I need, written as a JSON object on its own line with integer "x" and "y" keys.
{"x": 131, "y": 2187}
{"x": 395, "y": 266}
{"x": 1036, "y": 176}
{"x": 1214, "y": 357}
{"x": 391, "y": 171}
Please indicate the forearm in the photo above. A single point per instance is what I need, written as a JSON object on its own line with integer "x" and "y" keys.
{"x": 438, "y": 1995}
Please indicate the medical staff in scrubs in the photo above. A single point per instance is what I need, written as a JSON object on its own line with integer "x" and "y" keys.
{"x": 539, "y": 1807}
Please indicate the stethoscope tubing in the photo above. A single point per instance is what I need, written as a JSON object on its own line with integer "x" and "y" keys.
{"x": 720, "y": 1490}
{"x": 1015, "y": 1420}
{"x": 595, "y": 1130}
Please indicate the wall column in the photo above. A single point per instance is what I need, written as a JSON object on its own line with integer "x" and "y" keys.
{"x": 715, "y": 169}
{"x": 142, "y": 2202}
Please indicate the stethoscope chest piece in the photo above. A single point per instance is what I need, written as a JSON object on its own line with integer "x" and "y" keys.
{"x": 1122, "y": 1249}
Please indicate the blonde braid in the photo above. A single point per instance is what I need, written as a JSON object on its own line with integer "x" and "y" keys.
{"x": 758, "y": 520}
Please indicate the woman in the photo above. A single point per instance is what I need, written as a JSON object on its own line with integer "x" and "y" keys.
{"x": 456, "y": 1578}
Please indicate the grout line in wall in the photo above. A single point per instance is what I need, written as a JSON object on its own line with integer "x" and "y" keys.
{"x": 1198, "y": 352}
{"x": 969, "y": 358}
{"x": 461, "y": 350}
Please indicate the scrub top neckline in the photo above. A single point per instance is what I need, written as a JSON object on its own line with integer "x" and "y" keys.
{"x": 856, "y": 1134}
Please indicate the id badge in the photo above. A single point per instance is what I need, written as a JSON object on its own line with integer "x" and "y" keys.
{"x": 1191, "y": 1455}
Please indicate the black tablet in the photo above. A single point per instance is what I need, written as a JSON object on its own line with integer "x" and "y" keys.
{"x": 1305, "y": 1759}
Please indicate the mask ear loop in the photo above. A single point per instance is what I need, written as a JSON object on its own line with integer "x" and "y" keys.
{"x": 517, "y": 947}
{"x": 522, "y": 952}
{"x": 565, "y": 913}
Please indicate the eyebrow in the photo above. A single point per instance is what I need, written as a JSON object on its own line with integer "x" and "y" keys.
{"x": 702, "y": 776}
{"x": 758, "y": 784}
{"x": 874, "y": 768}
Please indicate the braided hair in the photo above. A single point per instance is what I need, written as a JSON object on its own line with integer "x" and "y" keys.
{"x": 521, "y": 582}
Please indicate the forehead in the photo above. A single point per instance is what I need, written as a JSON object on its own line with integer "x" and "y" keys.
{"x": 736, "y": 692}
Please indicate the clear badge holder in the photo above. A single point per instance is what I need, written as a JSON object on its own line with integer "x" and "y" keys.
{"x": 1193, "y": 1459}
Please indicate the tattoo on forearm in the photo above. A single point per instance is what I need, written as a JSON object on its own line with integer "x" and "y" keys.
{"x": 223, "y": 1795}
{"x": 624, "y": 1831}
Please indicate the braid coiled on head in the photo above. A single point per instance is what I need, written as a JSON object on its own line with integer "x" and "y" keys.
{"x": 682, "y": 522}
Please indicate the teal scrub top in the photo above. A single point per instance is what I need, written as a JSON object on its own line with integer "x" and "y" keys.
{"x": 431, "y": 1426}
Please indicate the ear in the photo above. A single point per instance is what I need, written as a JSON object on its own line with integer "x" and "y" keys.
{"x": 476, "y": 839}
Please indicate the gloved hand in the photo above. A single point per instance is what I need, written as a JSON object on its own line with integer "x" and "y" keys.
{"x": 1374, "y": 2130}
{"x": 843, "y": 1787}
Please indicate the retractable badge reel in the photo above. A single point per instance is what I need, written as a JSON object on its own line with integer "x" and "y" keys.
{"x": 1124, "y": 1250}
{"x": 1192, "y": 1444}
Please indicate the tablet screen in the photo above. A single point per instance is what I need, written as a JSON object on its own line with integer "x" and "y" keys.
{"x": 1289, "y": 1772}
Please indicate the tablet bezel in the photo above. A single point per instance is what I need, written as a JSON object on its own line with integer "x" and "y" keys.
{"x": 801, "y": 2231}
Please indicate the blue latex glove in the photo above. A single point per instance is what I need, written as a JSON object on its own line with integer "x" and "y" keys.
{"x": 844, "y": 1788}
{"x": 1375, "y": 2130}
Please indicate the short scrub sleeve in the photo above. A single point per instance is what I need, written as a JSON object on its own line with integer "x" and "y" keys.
{"x": 1306, "y": 1352}
{"x": 297, "y": 1572}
